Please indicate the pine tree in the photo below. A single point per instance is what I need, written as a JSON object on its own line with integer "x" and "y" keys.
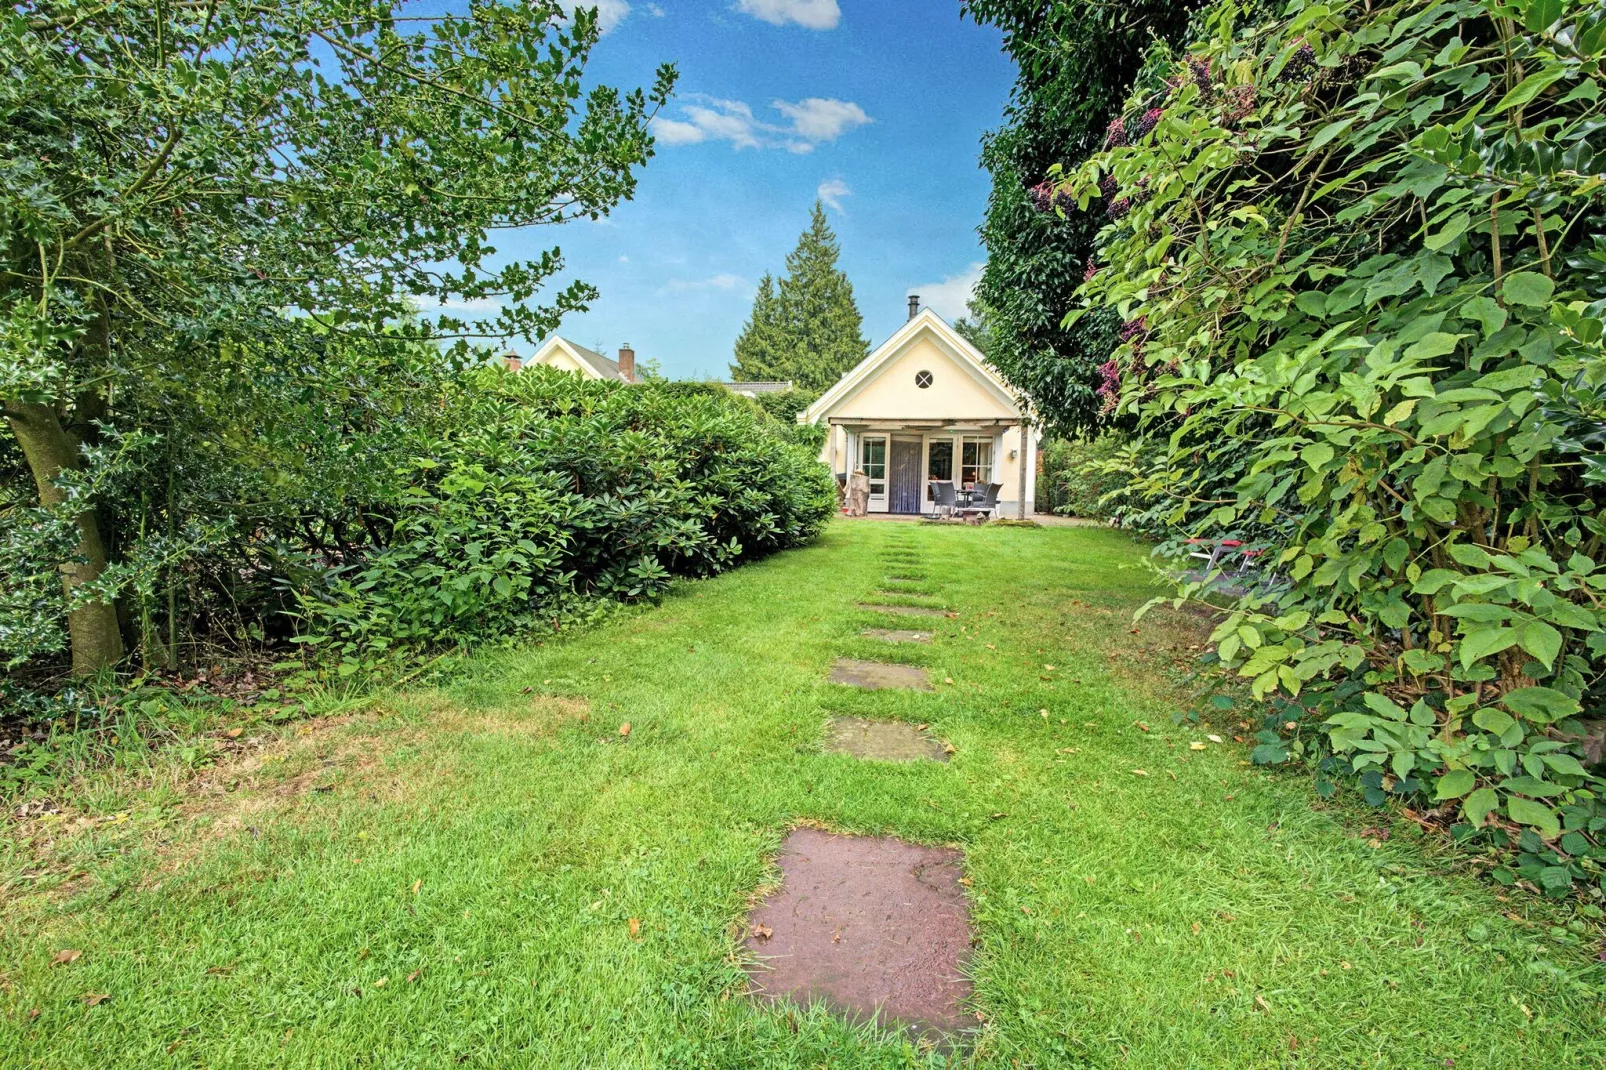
{"x": 758, "y": 347}
{"x": 809, "y": 329}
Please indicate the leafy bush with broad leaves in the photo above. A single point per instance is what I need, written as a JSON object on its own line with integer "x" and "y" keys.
{"x": 548, "y": 491}
{"x": 1357, "y": 249}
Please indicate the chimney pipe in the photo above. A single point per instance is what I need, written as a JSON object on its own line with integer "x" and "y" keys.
{"x": 512, "y": 361}
{"x": 914, "y": 305}
{"x": 627, "y": 363}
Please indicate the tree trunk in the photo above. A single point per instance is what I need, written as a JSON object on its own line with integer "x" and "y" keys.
{"x": 96, "y": 641}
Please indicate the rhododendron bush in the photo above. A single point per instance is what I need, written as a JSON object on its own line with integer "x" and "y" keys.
{"x": 1365, "y": 241}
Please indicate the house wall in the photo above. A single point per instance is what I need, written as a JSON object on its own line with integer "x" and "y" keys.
{"x": 954, "y": 393}
{"x": 558, "y": 358}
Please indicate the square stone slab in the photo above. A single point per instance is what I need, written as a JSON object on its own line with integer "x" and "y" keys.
{"x": 896, "y": 635}
{"x": 877, "y": 675}
{"x": 903, "y": 611}
{"x": 887, "y": 741}
{"x": 869, "y": 925}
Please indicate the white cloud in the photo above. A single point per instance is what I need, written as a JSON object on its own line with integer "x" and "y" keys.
{"x": 831, "y": 191}
{"x": 723, "y": 281}
{"x": 949, "y": 297}
{"x": 819, "y": 119}
{"x": 623, "y": 259}
{"x": 655, "y": 10}
{"x": 810, "y": 14}
{"x": 811, "y": 122}
{"x": 482, "y": 306}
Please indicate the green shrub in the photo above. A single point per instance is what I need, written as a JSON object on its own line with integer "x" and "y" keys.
{"x": 551, "y": 490}
{"x": 1082, "y": 477}
{"x": 1356, "y": 252}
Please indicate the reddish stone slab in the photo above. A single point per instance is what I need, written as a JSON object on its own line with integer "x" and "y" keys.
{"x": 879, "y": 675}
{"x": 869, "y": 925}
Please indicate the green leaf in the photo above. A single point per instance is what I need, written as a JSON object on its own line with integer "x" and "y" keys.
{"x": 1566, "y": 765}
{"x": 1529, "y": 88}
{"x": 1542, "y": 704}
{"x": 1542, "y": 641}
{"x": 1478, "y": 806}
{"x": 1527, "y": 288}
{"x": 1485, "y": 641}
{"x": 1492, "y": 720}
{"x": 1454, "y": 784}
{"x": 1535, "y": 814}
{"x": 1328, "y": 133}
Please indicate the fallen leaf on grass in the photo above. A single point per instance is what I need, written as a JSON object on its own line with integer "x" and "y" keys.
{"x": 1142, "y": 726}
{"x": 235, "y": 733}
{"x": 1213, "y": 738}
{"x": 419, "y": 883}
{"x": 1140, "y": 772}
{"x": 414, "y": 975}
{"x": 1260, "y": 1001}
{"x": 763, "y": 932}
{"x": 624, "y": 730}
{"x": 947, "y": 679}
{"x": 1196, "y": 746}
{"x": 635, "y": 928}
{"x": 382, "y": 982}
{"x": 948, "y": 748}
{"x": 997, "y": 816}
{"x": 95, "y": 999}
{"x": 66, "y": 957}
{"x": 219, "y": 971}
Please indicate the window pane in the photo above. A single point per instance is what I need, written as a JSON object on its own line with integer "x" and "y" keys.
{"x": 873, "y": 459}
{"x": 941, "y": 465}
{"x": 977, "y": 461}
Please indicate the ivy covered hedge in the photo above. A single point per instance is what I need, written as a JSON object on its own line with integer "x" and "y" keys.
{"x": 1357, "y": 251}
{"x": 545, "y": 490}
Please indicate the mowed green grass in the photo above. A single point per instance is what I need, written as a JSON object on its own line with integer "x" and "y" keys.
{"x": 461, "y": 893}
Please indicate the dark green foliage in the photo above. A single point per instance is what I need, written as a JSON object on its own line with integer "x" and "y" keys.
{"x": 547, "y": 490}
{"x": 1077, "y": 62}
{"x": 1355, "y": 246}
{"x": 183, "y": 182}
{"x": 1082, "y": 477}
{"x": 807, "y": 329}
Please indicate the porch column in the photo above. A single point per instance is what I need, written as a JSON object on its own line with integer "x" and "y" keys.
{"x": 1026, "y": 461}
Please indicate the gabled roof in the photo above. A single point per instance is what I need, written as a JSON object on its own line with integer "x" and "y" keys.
{"x": 924, "y": 323}
{"x": 601, "y": 365}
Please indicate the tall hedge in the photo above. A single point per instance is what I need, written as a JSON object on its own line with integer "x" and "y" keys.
{"x": 546, "y": 489}
{"x": 1359, "y": 246}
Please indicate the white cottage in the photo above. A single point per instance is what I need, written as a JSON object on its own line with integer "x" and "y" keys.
{"x": 564, "y": 355}
{"x": 926, "y": 406}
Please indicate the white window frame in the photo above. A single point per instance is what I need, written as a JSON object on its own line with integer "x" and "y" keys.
{"x": 984, "y": 471}
{"x": 878, "y": 498}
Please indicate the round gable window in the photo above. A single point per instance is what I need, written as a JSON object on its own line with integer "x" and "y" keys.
{"x": 922, "y": 379}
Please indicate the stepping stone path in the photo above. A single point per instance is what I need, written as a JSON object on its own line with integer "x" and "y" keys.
{"x": 904, "y": 611}
{"x": 896, "y": 635}
{"x": 870, "y": 925}
{"x": 887, "y": 741}
{"x": 878, "y": 675}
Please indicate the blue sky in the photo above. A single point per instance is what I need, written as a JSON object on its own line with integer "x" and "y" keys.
{"x": 879, "y": 106}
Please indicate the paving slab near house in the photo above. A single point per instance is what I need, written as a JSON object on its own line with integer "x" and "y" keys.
{"x": 887, "y": 741}
{"x": 897, "y": 635}
{"x": 872, "y": 926}
{"x": 904, "y": 611}
{"x": 879, "y": 675}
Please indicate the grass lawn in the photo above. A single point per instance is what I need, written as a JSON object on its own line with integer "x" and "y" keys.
{"x": 450, "y": 877}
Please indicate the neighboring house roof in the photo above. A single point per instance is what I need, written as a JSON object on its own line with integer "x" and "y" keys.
{"x": 600, "y": 366}
{"x": 759, "y": 387}
{"x": 925, "y": 324}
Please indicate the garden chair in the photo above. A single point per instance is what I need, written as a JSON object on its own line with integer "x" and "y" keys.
{"x": 943, "y": 499}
